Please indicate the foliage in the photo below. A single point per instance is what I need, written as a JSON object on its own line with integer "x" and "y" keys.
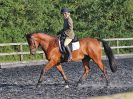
{"x": 94, "y": 18}
{"x": 102, "y": 18}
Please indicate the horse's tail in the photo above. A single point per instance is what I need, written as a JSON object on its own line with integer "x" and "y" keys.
{"x": 110, "y": 55}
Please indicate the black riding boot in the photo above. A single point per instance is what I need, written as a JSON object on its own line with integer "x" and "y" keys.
{"x": 70, "y": 53}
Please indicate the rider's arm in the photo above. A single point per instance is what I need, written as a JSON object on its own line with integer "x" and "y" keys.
{"x": 70, "y": 25}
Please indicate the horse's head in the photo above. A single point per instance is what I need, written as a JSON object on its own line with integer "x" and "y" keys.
{"x": 32, "y": 42}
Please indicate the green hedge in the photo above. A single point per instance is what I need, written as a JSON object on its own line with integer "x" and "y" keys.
{"x": 93, "y": 18}
{"x": 102, "y": 18}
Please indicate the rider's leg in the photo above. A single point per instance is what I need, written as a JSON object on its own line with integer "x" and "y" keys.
{"x": 67, "y": 41}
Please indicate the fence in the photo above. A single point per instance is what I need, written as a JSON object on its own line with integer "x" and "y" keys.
{"x": 118, "y": 46}
{"x": 21, "y": 52}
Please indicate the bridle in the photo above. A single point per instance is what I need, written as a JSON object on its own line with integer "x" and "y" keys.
{"x": 33, "y": 41}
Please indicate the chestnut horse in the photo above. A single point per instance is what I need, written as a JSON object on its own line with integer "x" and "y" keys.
{"x": 90, "y": 48}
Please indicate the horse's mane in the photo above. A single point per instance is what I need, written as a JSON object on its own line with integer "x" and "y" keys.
{"x": 30, "y": 34}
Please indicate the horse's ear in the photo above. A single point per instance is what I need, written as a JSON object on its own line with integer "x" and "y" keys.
{"x": 27, "y": 35}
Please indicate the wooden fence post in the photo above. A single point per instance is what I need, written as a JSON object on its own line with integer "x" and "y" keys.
{"x": 118, "y": 46}
{"x": 21, "y": 50}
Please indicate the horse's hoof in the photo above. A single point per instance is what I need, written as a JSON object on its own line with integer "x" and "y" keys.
{"x": 76, "y": 84}
{"x": 66, "y": 82}
{"x": 79, "y": 82}
{"x": 38, "y": 85}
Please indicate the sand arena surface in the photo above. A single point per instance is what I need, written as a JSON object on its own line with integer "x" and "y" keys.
{"x": 19, "y": 82}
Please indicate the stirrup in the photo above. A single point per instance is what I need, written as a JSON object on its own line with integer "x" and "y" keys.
{"x": 69, "y": 58}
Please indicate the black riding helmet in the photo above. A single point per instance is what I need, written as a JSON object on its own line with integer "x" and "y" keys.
{"x": 63, "y": 10}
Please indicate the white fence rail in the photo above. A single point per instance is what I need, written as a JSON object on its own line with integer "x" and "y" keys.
{"x": 22, "y": 52}
{"x": 118, "y": 46}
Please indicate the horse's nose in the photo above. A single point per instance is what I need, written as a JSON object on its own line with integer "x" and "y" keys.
{"x": 32, "y": 52}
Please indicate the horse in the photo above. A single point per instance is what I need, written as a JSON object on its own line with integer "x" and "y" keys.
{"x": 90, "y": 48}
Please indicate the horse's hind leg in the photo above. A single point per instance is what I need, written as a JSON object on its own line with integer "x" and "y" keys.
{"x": 85, "y": 62}
{"x": 102, "y": 68}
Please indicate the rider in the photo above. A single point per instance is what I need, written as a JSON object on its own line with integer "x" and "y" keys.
{"x": 67, "y": 30}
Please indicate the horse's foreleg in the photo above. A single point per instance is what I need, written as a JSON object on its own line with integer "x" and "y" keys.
{"x": 41, "y": 77}
{"x": 60, "y": 69}
{"x": 86, "y": 69}
{"x": 45, "y": 69}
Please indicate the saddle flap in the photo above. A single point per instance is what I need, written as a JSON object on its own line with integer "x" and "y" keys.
{"x": 61, "y": 47}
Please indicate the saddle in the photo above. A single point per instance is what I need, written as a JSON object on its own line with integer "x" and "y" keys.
{"x": 73, "y": 45}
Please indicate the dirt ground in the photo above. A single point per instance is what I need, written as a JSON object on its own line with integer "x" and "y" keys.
{"x": 19, "y": 82}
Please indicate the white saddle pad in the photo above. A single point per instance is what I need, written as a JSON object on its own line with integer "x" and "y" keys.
{"x": 75, "y": 46}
